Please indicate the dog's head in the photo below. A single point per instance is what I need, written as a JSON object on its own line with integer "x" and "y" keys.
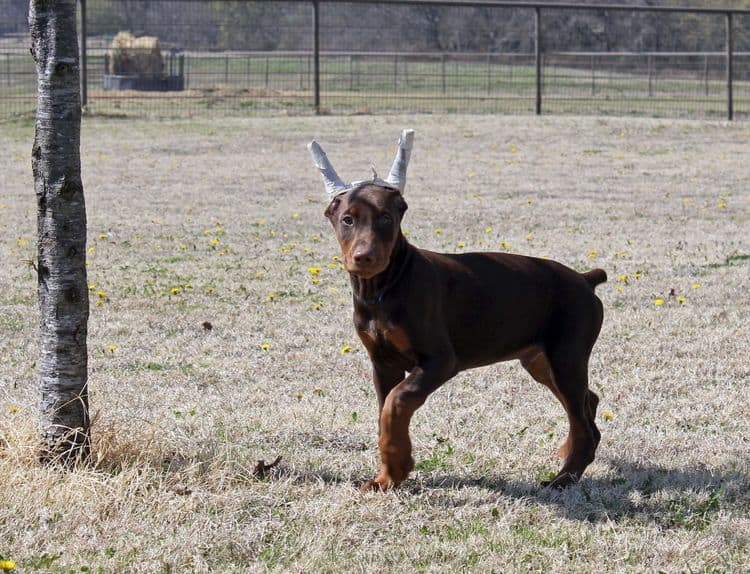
{"x": 367, "y": 222}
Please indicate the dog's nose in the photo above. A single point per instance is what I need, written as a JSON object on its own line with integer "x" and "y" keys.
{"x": 363, "y": 256}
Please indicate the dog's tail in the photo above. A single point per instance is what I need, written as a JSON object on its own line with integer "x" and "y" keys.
{"x": 595, "y": 277}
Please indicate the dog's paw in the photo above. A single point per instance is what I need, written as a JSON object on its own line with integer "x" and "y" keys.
{"x": 372, "y": 486}
{"x": 562, "y": 480}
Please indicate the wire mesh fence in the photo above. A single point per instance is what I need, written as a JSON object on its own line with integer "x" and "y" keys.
{"x": 194, "y": 57}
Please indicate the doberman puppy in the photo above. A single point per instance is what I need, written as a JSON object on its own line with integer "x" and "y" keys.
{"x": 432, "y": 315}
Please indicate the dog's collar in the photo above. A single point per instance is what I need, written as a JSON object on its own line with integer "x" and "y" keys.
{"x": 381, "y": 293}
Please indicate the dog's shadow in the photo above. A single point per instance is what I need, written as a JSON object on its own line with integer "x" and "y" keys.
{"x": 632, "y": 492}
{"x": 687, "y": 498}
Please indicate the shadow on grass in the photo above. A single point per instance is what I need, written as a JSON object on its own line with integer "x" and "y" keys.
{"x": 671, "y": 498}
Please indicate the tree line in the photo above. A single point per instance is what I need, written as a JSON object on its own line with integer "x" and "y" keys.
{"x": 264, "y": 25}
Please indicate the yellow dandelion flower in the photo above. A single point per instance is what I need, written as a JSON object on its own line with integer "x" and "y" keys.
{"x": 183, "y": 246}
{"x": 659, "y": 302}
{"x": 637, "y": 274}
{"x": 608, "y": 415}
{"x": 438, "y": 231}
{"x": 314, "y": 271}
{"x": 696, "y": 285}
{"x": 102, "y": 294}
{"x": 100, "y": 303}
{"x": 298, "y": 395}
{"x": 346, "y": 349}
{"x": 332, "y": 266}
{"x": 513, "y": 149}
{"x": 21, "y": 242}
{"x": 461, "y": 244}
{"x": 111, "y": 348}
{"x": 271, "y": 296}
{"x": 619, "y": 288}
{"x": 472, "y": 174}
{"x": 623, "y": 278}
{"x": 529, "y": 238}
{"x": 336, "y": 258}
{"x": 209, "y": 290}
{"x": 92, "y": 286}
{"x": 295, "y": 215}
{"x": 529, "y": 200}
{"x": 215, "y": 241}
{"x": 90, "y": 249}
{"x": 315, "y": 281}
{"x": 103, "y": 236}
{"x": 13, "y": 409}
{"x": 681, "y": 299}
{"x": 175, "y": 290}
{"x": 265, "y": 346}
{"x": 592, "y": 254}
{"x": 504, "y": 245}
{"x": 488, "y": 229}
{"x": 7, "y": 565}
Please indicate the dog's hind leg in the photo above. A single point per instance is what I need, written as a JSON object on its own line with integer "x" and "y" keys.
{"x": 569, "y": 365}
{"x": 536, "y": 364}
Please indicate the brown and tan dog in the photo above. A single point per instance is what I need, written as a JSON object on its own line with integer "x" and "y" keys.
{"x": 432, "y": 315}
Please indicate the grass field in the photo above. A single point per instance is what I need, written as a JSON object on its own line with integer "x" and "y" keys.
{"x": 219, "y": 223}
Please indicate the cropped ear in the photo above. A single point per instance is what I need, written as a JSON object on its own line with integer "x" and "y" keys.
{"x": 332, "y": 208}
{"x": 400, "y": 204}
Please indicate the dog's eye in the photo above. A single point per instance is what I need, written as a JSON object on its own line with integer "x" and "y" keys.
{"x": 347, "y": 220}
{"x": 386, "y": 218}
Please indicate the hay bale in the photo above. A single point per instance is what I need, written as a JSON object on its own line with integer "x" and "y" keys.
{"x": 129, "y": 55}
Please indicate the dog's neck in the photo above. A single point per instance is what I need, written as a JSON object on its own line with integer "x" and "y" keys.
{"x": 374, "y": 290}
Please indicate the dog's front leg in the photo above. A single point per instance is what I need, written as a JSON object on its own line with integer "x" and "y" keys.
{"x": 396, "y": 461}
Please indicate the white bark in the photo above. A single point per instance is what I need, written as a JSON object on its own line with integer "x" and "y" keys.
{"x": 61, "y": 224}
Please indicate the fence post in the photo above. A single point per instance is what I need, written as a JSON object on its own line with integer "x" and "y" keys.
{"x": 316, "y": 54}
{"x": 538, "y": 57}
{"x": 489, "y": 74}
{"x": 442, "y": 69}
{"x": 395, "y": 73}
{"x": 84, "y": 57}
{"x": 730, "y": 68}
{"x": 705, "y": 73}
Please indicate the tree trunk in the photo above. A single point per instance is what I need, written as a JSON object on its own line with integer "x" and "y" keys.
{"x": 61, "y": 228}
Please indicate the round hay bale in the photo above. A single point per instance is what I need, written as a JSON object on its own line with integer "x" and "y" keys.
{"x": 129, "y": 55}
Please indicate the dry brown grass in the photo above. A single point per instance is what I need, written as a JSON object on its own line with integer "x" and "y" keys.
{"x": 220, "y": 220}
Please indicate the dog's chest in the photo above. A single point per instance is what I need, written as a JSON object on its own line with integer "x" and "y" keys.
{"x": 383, "y": 337}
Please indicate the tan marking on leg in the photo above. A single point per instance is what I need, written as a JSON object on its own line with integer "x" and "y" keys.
{"x": 396, "y": 461}
{"x": 539, "y": 368}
